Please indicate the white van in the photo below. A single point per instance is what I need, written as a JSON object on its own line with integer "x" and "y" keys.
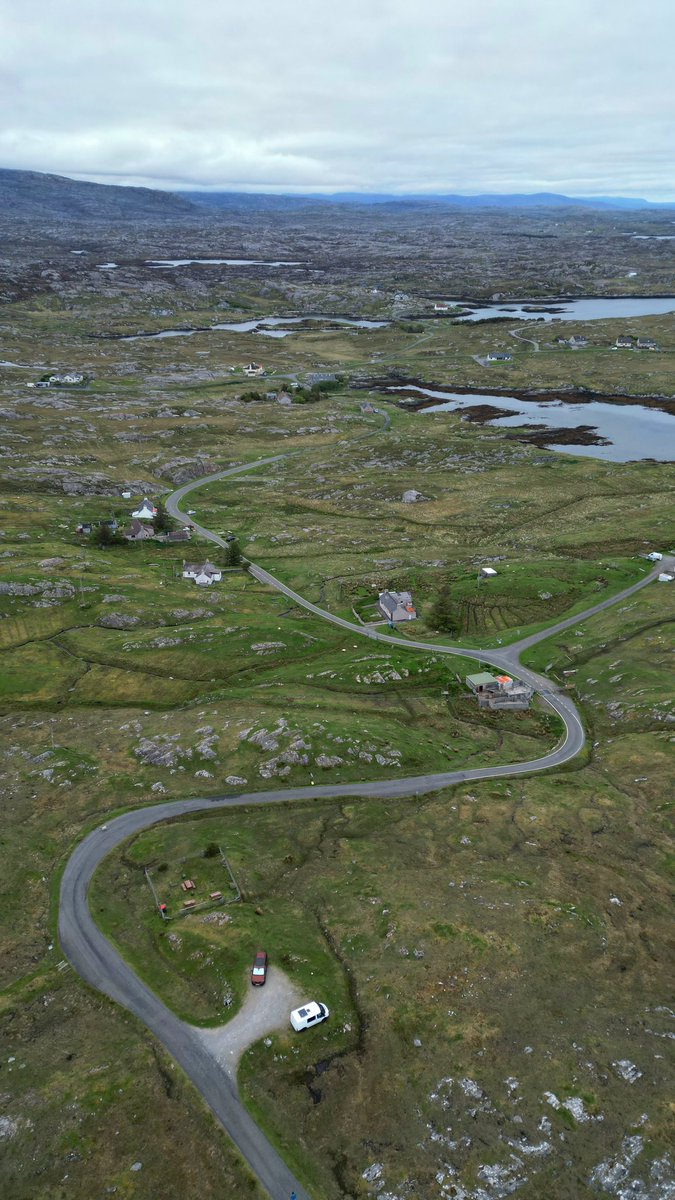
{"x": 310, "y": 1014}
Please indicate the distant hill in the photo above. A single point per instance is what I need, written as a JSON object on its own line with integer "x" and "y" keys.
{"x": 33, "y": 195}
{"x": 486, "y": 200}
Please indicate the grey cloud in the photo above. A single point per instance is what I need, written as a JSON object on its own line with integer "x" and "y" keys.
{"x": 365, "y": 94}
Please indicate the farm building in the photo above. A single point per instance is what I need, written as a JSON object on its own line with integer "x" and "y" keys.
{"x": 499, "y": 691}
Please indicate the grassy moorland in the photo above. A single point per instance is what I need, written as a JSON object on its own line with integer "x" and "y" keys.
{"x": 483, "y": 949}
{"x": 449, "y": 935}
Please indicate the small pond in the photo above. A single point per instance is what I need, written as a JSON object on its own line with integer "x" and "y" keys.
{"x": 219, "y": 262}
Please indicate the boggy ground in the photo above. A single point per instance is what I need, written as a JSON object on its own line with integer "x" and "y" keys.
{"x": 496, "y": 957}
{"x": 100, "y": 714}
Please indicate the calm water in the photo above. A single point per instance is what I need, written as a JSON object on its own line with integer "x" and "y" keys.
{"x": 219, "y": 262}
{"x": 635, "y": 432}
{"x": 575, "y": 310}
{"x": 263, "y": 325}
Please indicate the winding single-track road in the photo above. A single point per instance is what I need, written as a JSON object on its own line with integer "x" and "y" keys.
{"x": 99, "y": 963}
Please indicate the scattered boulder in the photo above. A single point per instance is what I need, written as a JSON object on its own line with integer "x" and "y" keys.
{"x": 158, "y": 752}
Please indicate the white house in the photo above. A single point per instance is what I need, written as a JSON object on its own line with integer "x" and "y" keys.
{"x": 396, "y": 606}
{"x": 70, "y": 377}
{"x": 254, "y": 369}
{"x": 203, "y": 574}
{"x": 146, "y": 512}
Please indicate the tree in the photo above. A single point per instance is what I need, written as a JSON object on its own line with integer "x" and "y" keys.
{"x": 103, "y": 536}
{"x": 442, "y": 612}
{"x": 162, "y": 521}
{"x": 233, "y": 554}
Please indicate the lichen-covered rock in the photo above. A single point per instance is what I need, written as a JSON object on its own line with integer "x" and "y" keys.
{"x": 184, "y": 470}
{"x": 328, "y": 760}
{"x": 115, "y": 620}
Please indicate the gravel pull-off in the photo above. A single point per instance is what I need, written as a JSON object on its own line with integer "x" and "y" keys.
{"x": 264, "y": 1010}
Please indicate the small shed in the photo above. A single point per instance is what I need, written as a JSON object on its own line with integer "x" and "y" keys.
{"x": 482, "y": 682}
{"x": 487, "y": 573}
{"x": 664, "y": 577}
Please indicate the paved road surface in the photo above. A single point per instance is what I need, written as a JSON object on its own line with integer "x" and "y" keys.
{"x": 515, "y": 333}
{"x": 102, "y": 966}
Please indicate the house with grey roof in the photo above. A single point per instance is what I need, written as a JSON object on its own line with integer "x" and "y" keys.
{"x": 146, "y": 512}
{"x": 396, "y": 606}
{"x": 138, "y": 532}
{"x": 203, "y": 574}
{"x": 178, "y": 535}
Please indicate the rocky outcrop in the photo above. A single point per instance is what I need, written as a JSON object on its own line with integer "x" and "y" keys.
{"x": 59, "y": 590}
{"x": 184, "y": 470}
{"x": 59, "y": 480}
{"x": 116, "y": 620}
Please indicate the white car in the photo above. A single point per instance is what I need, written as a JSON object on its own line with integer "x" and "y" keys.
{"x": 310, "y": 1014}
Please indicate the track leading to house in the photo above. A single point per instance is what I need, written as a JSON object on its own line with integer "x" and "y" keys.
{"x": 99, "y": 963}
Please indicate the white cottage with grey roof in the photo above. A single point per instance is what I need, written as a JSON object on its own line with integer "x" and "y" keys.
{"x": 396, "y": 606}
{"x": 203, "y": 574}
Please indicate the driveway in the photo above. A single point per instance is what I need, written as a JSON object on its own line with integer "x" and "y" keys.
{"x": 265, "y": 1010}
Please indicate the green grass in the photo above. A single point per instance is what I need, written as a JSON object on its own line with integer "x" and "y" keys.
{"x": 91, "y": 1093}
{"x": 460, "y": 924}
{"x": 504, "y": 888}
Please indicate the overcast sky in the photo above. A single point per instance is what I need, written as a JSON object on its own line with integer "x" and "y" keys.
{"x": 574, "y": 96}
